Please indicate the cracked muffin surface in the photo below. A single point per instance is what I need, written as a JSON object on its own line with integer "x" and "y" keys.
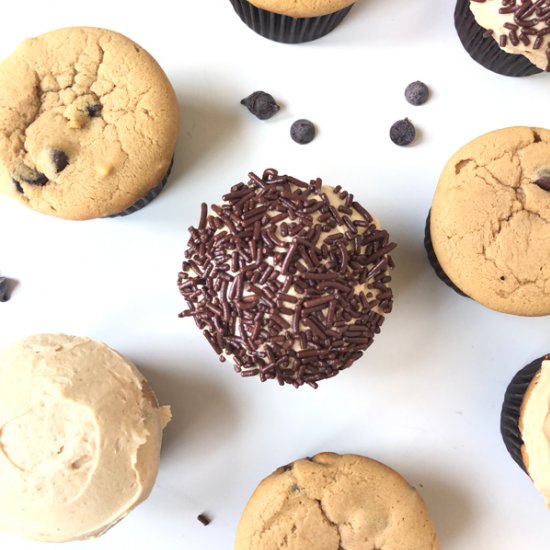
{"x": 88, "y": 123}
{"x": 335, "y": 502}
{"x": 490, "y": 220}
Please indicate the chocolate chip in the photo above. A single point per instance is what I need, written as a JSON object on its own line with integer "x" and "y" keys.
{"x": 31, "y": 176}
{"x": 543, "y": 183}
{"x": 402, "y": 132}
{"x": 94, "y": 109}
{"x": 288, "y": 467}
{"x": 204, "y": 519}
{"x": 261, "y": 105}
{"x": 60, "y": 160}
{"x": 18, "y": 186}
{"x": 302, "y": 131}
{"x": 416, "y": 93}
{"x": 4, "y": 297}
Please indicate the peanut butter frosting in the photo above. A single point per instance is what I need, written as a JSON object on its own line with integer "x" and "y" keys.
{"x": 302, "y": 8}
{"x": 518, "y": 28}
{"x": 80, "y": 437}
{"x": 535, "y": 431}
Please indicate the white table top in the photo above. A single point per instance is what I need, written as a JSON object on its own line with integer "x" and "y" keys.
{"x": 425, "y": 399}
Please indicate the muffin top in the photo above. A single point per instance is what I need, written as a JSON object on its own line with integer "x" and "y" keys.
{"x": 534, "y": 424}
{"x": 490, "y": 220}
{"x": 331, "y": 502}
{"x": 302, "y": 8}
{"x": 519, "y": 28}
{"x": 80, "y": 435}
{"x": 287, "y": 279}
{"x": 88, "y": 123}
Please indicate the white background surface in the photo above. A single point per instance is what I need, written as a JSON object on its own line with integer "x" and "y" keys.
{"x": 425, "y": 398}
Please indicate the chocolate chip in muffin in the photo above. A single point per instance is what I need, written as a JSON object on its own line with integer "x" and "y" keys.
{"x": 261, "y": 104}
{"x": 60, "y": 160}
{"x": 402, "y": 132}
{"x": 416, "y": 93}
{"x": 18, "y": 186}
{"x": 302, "y": 131}
{"x": 94, "y": 109}
{"x": 30, "y": 176}
{"x": 543, "y": 183}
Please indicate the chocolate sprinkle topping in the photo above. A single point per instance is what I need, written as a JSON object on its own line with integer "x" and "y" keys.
{"x": 527, "y": 14}
{"x": 283, "y": 284}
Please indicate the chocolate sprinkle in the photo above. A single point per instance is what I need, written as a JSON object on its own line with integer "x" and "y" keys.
{"x": 204, "y": 519}
{"x": 527, "y": 14}
{"x": 295, "y": 297}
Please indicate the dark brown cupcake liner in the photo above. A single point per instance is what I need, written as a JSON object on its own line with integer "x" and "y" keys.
{"x": 282, "y": 28}
{"x": 485, "y": 49}
{"x": 511, "y": 409}
{"x": 434, "y": 262}
{"x": 145, "y": 200}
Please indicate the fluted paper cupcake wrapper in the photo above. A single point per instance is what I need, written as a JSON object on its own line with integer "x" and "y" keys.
{"x": 145, "y": 200}
{"x": 434, "y": 262}
{"x": 511, "y": 409}
{"x": 282, "y": 28}
{"x": 485, "y": 49}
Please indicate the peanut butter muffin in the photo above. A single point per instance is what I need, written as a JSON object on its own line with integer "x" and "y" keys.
{"x": 508, "y": 37}
{"x": 88, "y": 124}
{"x": 288, "y": 280}
{"x": 332, "y": 502}
{"x": 489, "y": 229}
{"x": 80, "y": 437}
{"x": 525, "y": 422}
{"x": 292, "y": 21}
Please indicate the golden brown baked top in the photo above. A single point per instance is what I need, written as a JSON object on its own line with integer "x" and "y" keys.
{"x": 302, "y": 8}
{"x": 332, "y": 501}
{"x": 490, "y": 220}
{"x": 88, "y": 123}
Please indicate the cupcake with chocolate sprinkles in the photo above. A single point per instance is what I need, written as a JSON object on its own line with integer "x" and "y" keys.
{"x": 524, "y": 421}
{"x": 292, "y": 21}
{"x": 509, "y": 37}
{"x": 288, "y": 280}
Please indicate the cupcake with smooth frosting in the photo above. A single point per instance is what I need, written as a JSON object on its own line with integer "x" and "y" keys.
{"x": 505, "y": 36}
{"x": 80, "y": 437}
{"x": 525, "y": 422}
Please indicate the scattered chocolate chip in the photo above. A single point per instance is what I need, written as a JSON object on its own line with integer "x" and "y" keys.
{"x": 402, "y": 132}
{"x": 261, "y": 104}
{"x": 31, "y": 176}
{"x": 18, "y": 186}
{"x": 543, "y": 183}
{"x": 94, "y": 109}
{"x": 416, "y": 93}
{"x": 60, "y": 160}
{"x": 204, "y": 519}
{"x": 302, "y": 131}
{"x": 288, "y": 467}
{"x": 4, "y": 294}
{"x": 502, "y": 278}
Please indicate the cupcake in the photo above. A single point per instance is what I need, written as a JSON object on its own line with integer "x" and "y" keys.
{"x": 290, "y": 21}
{"x": 489, "y": 228}
{"x": 524, "y": 422}
{"x": 86, "y": 134}
{"x": 288, "y": 280}
{"x": 331, "y": 502}
{"x": 80, "y": 434}
{"x": 505, "y": 36}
